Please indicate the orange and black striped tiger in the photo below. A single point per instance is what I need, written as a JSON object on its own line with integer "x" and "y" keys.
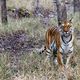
{"x": 60, "y": 40}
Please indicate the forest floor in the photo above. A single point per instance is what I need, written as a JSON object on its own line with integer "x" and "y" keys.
{"x": 19, "y": 59}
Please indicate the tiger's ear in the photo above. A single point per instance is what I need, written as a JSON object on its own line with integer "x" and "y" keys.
{"x": 71, "y": 20}
{"x": 60, "y": 22}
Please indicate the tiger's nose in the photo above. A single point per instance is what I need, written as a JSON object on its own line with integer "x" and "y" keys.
{"x": 66, "y": 32}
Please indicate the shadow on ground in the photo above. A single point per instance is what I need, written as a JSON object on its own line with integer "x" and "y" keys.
{"x": 18, "y": 41}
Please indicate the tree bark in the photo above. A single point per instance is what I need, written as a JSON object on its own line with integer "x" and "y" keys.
{"x": 3, "y": 11}
{"x": 76, "y": 5}
{"x": 58, "y": 11}
{"x": 37, "y": 3}
{"x": 63, "y": 12}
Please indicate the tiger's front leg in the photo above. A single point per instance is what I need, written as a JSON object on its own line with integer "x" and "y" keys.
{"x": 68, "y": 59}
{"x": 60, "y": 60}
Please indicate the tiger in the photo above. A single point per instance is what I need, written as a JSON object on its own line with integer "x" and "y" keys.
{"x": 60, "y": 41}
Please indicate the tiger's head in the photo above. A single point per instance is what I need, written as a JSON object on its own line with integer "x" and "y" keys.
{"x": 66, "y": 27}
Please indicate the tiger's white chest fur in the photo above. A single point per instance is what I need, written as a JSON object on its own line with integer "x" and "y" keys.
{"x": 66, "y": 44}
{"x": 66, "y": 47}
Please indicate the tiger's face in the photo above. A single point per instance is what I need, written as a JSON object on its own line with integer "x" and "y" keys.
{"x": 66, "y": 27}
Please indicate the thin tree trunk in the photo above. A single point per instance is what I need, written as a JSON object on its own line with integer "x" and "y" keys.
{"x": 37, "y": 3}
{"x": 63, "y": 12}
{"x": 3, "y": 11}
{"x": 58, "y": 11}
{"x": 76, "y": 5}
{"x": 79, "y": 9}
{"x": 74, "y": 2}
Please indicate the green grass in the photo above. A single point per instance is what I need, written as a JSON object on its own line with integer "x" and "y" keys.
{"x": 30, "y": 25}
{"x": 31, "y": 65}
{"x": 28, "y": 64}
{"x": 29, "y": 4}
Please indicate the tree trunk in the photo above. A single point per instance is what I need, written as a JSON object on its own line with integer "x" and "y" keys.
{"x": 37, "y": 3}
{"x": 58, "y": 11}
{"x": 76, "y": 5}
{"x": 3, "y": 11}
{"x": 63, "y": 12}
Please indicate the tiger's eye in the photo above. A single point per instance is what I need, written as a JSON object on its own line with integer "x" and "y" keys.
{"x": 62, "y": 24}
{"x": 68, "y": 24}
